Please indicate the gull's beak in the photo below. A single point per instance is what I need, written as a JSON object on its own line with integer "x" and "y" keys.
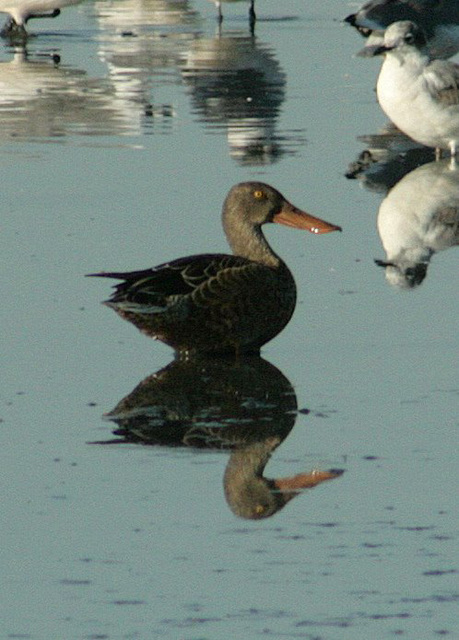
{"x": 372, "y": 50}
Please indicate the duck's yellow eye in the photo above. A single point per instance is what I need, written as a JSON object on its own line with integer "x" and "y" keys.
{"x": 258, "y": 194}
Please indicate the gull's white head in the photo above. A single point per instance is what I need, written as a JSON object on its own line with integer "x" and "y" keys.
{"x": 402, "y": 36}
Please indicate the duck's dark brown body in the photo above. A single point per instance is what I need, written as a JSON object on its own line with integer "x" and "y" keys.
{"x": 215, "y": 304}
{"x": 211, "y": 303}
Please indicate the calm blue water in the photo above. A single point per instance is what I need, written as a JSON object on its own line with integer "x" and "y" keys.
{"x": 117, "y": 156}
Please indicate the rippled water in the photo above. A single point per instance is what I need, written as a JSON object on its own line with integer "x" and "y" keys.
{"x": 123, "y": 125}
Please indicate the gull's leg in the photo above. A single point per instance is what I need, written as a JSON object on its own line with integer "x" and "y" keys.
{"x": 218, "y": 4}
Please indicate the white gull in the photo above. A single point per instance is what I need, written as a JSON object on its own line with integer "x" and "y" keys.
{"x": 419, "y": 95}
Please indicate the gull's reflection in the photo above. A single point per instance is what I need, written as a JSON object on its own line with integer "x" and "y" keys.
{"x": 418, "y": 218}
{"x": 237, "y": 86}
{"x": 143, "y": 42}
{"x": 252, "y": 15}
{"x": 247, "y": 407}
{"x": 389, "y": 156}
{"x": 41, "y": 98}
{"x": 127, "y": 16}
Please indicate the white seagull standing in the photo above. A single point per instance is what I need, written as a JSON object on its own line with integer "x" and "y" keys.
{"x": 419, "y": 95}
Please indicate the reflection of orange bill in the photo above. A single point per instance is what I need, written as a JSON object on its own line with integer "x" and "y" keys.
{"x": 306, "y": 480}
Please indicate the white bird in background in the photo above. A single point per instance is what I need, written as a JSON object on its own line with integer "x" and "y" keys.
{"x": 419, "y": 95}
{"x": 438, "y": 18}
{"x": 21, "y": 11}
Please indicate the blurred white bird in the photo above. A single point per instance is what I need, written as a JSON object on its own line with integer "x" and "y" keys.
{"x": 21, "y": 11}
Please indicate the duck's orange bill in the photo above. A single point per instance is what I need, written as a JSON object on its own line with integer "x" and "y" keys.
{"x": 293, "y": 217}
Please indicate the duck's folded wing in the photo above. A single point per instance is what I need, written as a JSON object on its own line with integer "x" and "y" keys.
{"x": 177, "y": 278}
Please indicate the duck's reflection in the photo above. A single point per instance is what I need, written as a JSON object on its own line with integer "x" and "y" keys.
{"x": 247, "y": 407}
{"x": 418, "y": 218}
{"x": 237, "y": 86}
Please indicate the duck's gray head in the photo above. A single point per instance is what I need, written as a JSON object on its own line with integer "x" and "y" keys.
{"x": 252, "y": 204}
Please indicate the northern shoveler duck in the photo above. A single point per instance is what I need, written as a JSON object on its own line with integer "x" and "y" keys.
{"x": 215, "y": 304}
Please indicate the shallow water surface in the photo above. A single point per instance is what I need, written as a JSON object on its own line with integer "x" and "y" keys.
{"x": 145, "y": 498}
